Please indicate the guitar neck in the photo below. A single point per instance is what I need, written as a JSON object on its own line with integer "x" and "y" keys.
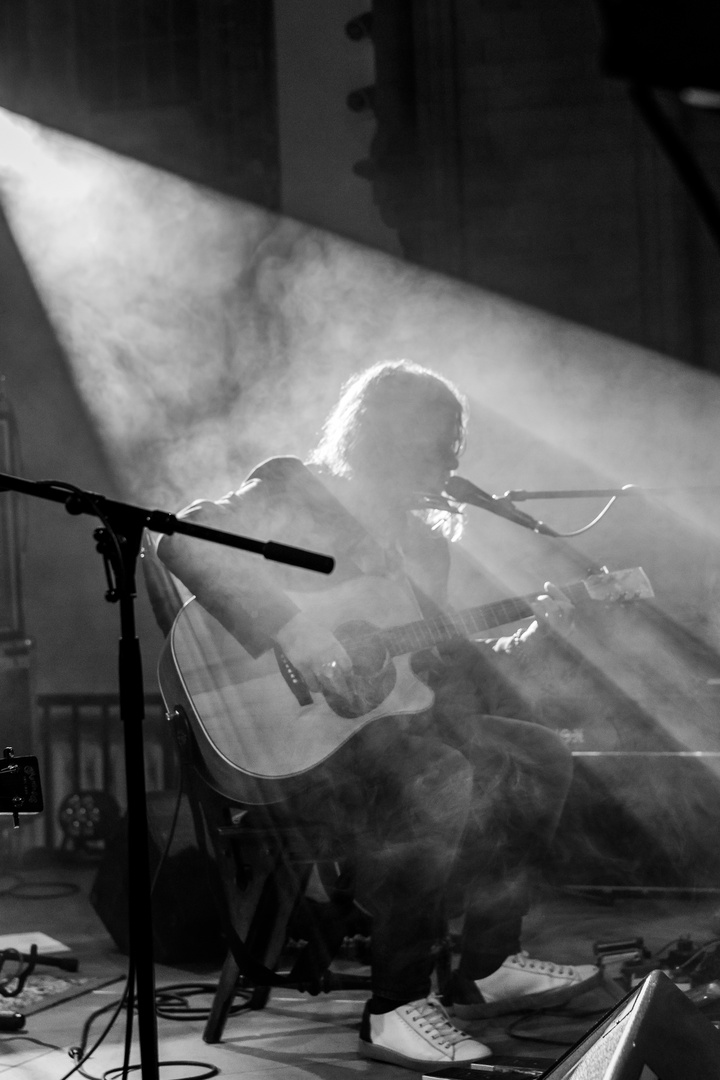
{"x": 476, "y": 620}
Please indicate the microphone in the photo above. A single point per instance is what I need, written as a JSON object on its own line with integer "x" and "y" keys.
{"x": 464, "y": 491}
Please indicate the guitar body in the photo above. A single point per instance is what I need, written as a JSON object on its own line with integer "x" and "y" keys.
{"x": 259, "y": 729}
{"x": 257, "y": 741}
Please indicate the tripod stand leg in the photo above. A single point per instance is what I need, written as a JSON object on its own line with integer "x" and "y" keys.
{"x": 222, "y": 1000}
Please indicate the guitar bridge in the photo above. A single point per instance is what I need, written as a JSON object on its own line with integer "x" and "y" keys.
{"x": 293, "y": 678}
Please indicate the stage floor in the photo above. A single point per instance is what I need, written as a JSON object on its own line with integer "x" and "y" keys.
{"x": 300, "y": 1037}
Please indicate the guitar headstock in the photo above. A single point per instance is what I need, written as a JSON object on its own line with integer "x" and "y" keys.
{"x": 632, "y": 584}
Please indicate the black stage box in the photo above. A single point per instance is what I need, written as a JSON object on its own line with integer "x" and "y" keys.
{"x": 185, "y": 919}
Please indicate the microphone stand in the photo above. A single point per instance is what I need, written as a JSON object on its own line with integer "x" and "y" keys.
{"x": 502, "y": 506}
{"x": 464, "y": 491}
{"x": 592, "y": 493}
{"x": 119, "y": 541}
{"x": 518, "y": 495}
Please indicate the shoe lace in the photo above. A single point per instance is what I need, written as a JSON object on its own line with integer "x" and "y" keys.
{"x": 432, "y": 1017}
{"x": 524, "y": 960}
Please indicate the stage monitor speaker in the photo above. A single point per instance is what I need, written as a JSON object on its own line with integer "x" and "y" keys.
{"x": 185, "y": 921}
{"x": 654, "y": 1033}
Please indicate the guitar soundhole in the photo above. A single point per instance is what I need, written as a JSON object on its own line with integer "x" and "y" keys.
{"x": 373, "y": 674}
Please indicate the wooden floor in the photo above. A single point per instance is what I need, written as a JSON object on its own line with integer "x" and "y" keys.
{"x": 298, "y": 1037}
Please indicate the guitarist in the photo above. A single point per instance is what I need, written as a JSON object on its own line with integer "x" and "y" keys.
{"x": 450, "y": 811}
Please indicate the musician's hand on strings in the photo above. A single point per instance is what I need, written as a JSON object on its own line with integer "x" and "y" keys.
{"x": 316, "y": 653}
{"x": 553, "y": 610}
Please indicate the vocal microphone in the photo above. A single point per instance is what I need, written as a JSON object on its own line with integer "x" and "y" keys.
{"x": 464, "y": 491}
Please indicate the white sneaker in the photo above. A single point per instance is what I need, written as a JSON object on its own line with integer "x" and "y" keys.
{"x": 416, "y": 1036}
{"x": 522, "y": 983}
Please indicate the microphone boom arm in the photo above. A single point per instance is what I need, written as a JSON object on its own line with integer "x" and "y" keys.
{"x": 464, "y": 491}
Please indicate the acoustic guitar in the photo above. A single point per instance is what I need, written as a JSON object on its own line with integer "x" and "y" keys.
{"x": 260, "y": 730}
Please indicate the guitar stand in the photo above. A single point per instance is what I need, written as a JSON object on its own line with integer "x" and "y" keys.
{"x": 118, "y": 541}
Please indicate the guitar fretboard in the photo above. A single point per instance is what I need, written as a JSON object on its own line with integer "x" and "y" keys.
{"x": 428, "y": 632}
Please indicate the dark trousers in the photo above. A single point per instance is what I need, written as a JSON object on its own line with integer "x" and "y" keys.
{"x": 448, "y": 813}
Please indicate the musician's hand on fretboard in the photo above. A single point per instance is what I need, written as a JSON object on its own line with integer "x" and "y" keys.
{"x": 553, "y": 610}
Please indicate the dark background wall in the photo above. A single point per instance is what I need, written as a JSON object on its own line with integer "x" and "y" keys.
{"x": 510, "y": 152}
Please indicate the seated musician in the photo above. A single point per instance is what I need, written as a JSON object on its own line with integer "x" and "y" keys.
{"x": 451, "y": 805}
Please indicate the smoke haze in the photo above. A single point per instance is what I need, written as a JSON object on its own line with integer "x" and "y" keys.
{"x": 203, "y": 335}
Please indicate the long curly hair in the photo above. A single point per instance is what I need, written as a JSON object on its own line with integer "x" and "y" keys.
{"x": 365, "y": 428}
